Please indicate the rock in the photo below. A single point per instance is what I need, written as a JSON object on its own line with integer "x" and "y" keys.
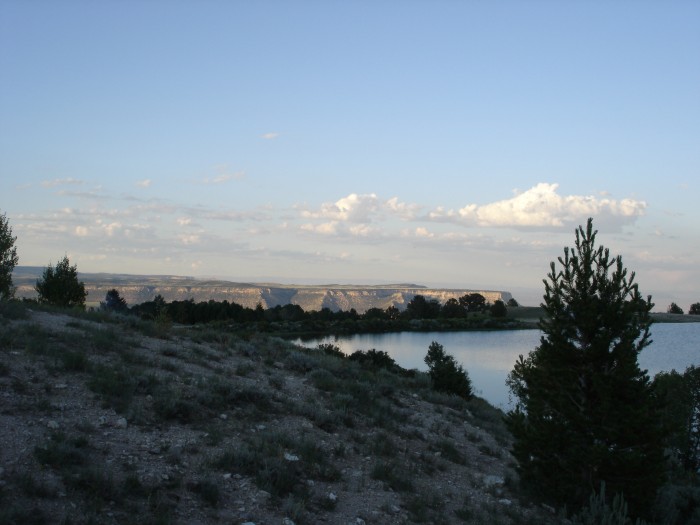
{"x": 332, "y": 497}
{"x": 359, "y": 521}
{"x": 121, "y": 423}
{"x": 227, "y": 476}
{"x": 505, "y": 502}
{"x": 395, "y": 509}
{"x": 493, "y": 481}
{"x": 223, "y": 417}
{"x": 287, "y": 521}
{"x": 53, "y": 425}
{"x": 248, "y": 523}
{"x": 290, "y": 457}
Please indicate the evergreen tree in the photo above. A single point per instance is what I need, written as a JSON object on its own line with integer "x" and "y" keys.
{"x": 114, "y": 301}
{"x": 8, "y": 258}
{"x": 673, "y": 308}
{"x": 447, "y": 375}
{"x": 60, "y": 285}
{"x": 585, "y": 412}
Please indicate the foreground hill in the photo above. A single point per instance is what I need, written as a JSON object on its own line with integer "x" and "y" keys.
{"x": 110, "y": 420}
{"x": 137, "y": 289}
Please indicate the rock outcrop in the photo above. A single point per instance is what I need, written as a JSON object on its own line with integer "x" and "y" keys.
{"x": 137, "y": 289}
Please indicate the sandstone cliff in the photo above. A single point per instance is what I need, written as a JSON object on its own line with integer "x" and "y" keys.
{"x": 137, "y": 289}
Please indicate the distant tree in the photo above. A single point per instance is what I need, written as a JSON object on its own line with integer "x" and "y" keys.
{"x": 447, "y": 375}
{"x": 512, "y": 303}
{"x": 452, "y": 309}
{"x": 673, "y": 308}
{"x": 421, "y": 308}
{"x": 8, "y": 258}
{"x": 694, "y": 309}
{"x": 114, "y": 302}
{"x": 374, "y": 313}
{"x": 392, "y": 312}
{"x": 585, "y": 412}
{"x": 498, "y": 309}
{"x": 473, "y": 302}
{"x": 60, "y": 286}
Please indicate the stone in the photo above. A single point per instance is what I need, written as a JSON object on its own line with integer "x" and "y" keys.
{"x": 332, "y": 497}
{"x": 290, "y": 457}
{"x": 287, "y": 521}
{"x": 493, "y": 481}
{"x": 53, "y": 425}
{"x": 121, "y": 423}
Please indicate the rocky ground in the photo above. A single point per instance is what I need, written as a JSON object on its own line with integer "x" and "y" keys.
{"x": 105, "y": 419}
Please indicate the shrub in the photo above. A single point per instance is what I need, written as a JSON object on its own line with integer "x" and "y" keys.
{"x": 374, "y": 359}
{"x": 447, "y": 375}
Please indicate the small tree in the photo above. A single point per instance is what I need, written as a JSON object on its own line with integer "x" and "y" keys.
{"x": 8, "y": 258}
{"x": 447, "y": 375}
{"x": 512, "y": 303}
{"x": 473, "y": 302}
{"x": 60, "y": 285}
{"x": 498, "y": 309}
{"x": 673, "y": 308}
{"x": 694, "y": 309}
{"x": 114, "y": 301}
{"x": 680, "y": 397}
{"x": 585, "y": 412}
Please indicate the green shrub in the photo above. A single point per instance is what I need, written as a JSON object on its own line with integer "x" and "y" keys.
{"x": 447, "y": 375}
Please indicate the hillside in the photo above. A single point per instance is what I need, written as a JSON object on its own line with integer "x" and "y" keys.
{"x": 112, "y": 420}
{"x": 141, "y": 288}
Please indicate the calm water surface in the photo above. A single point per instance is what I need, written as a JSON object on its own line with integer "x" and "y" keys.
{"x": 489, "y": 356}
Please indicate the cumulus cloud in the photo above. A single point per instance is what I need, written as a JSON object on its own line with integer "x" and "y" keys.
{"x": 270, "y": 136}
{"x": 541, "y": 207}
{"x": 145, "y": 183}
{"x": 364, "y": 209}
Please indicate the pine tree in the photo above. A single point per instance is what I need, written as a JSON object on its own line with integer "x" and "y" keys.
{"x": 60, "y": 285}
{"x": 585, "y": 412}
{"x": 8, "y": 258}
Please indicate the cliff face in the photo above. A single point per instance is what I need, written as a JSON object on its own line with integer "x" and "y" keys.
{"x": 138, "y": 289}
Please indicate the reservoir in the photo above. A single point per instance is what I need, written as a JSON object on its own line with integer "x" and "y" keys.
{"x": 489, "y": 356}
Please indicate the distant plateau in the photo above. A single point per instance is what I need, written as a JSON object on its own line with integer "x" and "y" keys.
{"x": 137, "y": 289}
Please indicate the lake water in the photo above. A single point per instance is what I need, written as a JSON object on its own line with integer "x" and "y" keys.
{"x": 489, "y": 356}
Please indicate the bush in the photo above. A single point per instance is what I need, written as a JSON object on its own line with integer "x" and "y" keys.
{"x": 375, "y": 359}
{"x": 447, "y": 375}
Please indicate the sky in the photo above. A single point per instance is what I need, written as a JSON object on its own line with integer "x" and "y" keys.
{"x": 442, "y": 143}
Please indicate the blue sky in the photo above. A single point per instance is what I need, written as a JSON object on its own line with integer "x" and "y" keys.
{"x": 441, "y": 143}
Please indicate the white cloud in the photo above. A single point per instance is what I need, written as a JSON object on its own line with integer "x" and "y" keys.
{"x": 61, "y": 182}
{"x": 184, "y": 221}
{"x": 541, "y": 207}
{"x": 224, "y": 175}
{"x": 145, "y": 183}
{"x": 270, "y": 136}
{"x": 403, "y": 210}
{"x": 353, "y": 208}
{"x": 326, "y": 228}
